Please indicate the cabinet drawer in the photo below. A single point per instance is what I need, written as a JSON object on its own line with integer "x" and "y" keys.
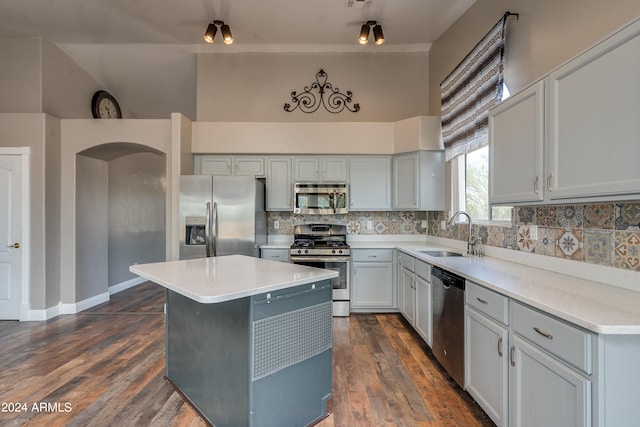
{"x": 565, "y": 341}
{"x": 373, "y": 255}
{"x": 423, "y": 270}
{"x": 406, "y": 261}
{"x": 488, "y": 302}
{"x": 275, "y": 254}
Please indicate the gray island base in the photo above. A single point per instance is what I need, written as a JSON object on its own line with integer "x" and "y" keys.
{"x": 263, "y": 359}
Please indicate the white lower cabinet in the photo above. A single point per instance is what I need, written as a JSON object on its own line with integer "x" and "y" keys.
{"x": 408, "y": 294}
{"x": 274, "y": 254}
{"x": 372, "y": 285}
{"x": 544, "y": 391}
{"x": 487, "y": 365}
{"x": 423, "y": 308}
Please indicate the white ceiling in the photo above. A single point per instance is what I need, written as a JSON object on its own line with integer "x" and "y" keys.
{"x": 105, "y": 36}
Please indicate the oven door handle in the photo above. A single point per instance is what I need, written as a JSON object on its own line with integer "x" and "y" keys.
{"x": 319, "y": 259}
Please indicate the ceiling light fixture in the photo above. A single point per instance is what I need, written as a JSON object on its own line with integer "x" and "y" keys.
{"x": 377, "y": 33}
{"x": 212, "y": 28}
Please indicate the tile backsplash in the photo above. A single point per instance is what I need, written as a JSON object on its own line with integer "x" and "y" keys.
{"x": 605, "y": 233}
{"x": 401, "y": 222}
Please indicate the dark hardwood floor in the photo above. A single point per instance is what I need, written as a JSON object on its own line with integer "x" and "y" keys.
{"x": 105, "y": 366}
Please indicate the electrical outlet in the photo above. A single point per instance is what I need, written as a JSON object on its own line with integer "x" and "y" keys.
{"x": 369, "y": 225}
{"x": 443, "y": 225}
{"x": 533, "y": 232}
{"x": 423, "y": 224}
{"x": 276, "y": 225}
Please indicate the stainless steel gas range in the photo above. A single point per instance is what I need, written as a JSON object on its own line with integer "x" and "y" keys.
{"x": 325, "y": 246}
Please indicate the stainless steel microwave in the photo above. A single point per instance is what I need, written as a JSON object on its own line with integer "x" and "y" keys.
{"x": 321, "y": 198}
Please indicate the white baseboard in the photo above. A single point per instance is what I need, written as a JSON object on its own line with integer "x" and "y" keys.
{"x": 119, "y": 287}
{"x": 39, "y": 315}
{"x": 84, "y": 304}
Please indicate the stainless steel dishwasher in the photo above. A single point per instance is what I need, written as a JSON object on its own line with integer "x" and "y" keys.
{"x": 448, "y": 322}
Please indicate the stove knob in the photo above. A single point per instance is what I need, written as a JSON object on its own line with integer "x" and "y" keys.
{"x": 340, "y": 251}
{"x": 299, "y": 251}
{"x": 333, "y": 251}
{"x": 306, "y": 251}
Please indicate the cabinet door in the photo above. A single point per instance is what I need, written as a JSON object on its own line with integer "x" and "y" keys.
{"x": 405, "y": 182}
{"x": 281, "y": 255}
{"x": 516, "y": 145}
{"x": 407, "y": 285}
{"x": 545, "y": 392}
{"x": 372, "y": 285}
{"x": 487, "y": 365}
{"x": 248, "y": 166}
{"x": 306, "y": 169}
{"x": 370, "y": 183}
{"x": 334, "y": 169}
{"x": 423, "y": 309}
{"x": 279, "y": 184}
{"x": 214, "y": 165}
{"x": 593, "y": 120}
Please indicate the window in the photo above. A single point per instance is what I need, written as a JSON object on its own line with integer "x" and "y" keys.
{"x": 471, "y": 184}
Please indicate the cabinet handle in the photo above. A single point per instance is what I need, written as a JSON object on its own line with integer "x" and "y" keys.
{"x": 373, "y": 256}
{"x": 535, "y": 184}
{"x": 549, "y": 181}
{"x": 511, "y": 355}
{"x": 543, "y": 333}
{"x": 500, "y": 346}
{"x": 483, "y": 301}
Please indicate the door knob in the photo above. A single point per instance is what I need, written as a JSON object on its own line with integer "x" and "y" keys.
{"x": 15, "y": 245}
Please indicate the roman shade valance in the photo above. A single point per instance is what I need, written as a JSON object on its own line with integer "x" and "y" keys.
{"x": 471, "y": 89}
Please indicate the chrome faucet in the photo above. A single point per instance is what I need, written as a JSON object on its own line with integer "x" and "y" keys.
{"x": 471, "y": 240}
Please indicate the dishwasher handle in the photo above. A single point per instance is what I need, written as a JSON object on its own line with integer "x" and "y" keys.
{"x": 448, "y": 278}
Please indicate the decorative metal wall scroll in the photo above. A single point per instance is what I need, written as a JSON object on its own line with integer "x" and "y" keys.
{"x": 334, "y": 102}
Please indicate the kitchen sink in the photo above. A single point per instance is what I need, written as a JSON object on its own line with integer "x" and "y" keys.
{"x": 441, "y": 253}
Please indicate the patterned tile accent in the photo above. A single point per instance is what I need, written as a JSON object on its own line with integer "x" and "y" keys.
{"x": 627, "y": 253}
{"x": 569, "y": 244}
{"x": 546, "y": 216}
{"x": 383, "y": 222}
{"x": 599, "y": 216}
{"x": 510, "y": 234}
{"x": 524, "y": 241}
{"x": 599, "y": 247}
{"x": 627, "y": 216}
{"x": 570, "y": 216}
{"x": 546, "y": 242}
{"x": 496, "y": 237}
{"x": 525, "y": 215}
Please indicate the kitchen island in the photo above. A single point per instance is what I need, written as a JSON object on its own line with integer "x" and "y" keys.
{"x": 248, "y": 341}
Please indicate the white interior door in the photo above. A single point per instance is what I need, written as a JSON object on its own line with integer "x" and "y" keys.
{"x": 10, "y": 236}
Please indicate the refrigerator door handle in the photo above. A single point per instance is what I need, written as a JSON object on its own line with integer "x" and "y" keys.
{"x": 215, "y": 228}
{"x": 207, "y": 230}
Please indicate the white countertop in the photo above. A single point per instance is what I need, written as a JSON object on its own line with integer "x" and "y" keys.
{"x": 595, "y": 306}
{"x": 592, "y": 305}
{"x": 213, "y": 280}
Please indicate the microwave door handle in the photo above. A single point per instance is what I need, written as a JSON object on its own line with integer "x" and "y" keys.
{"x": 207, "y": 230}
{"x": 335, "y": 201}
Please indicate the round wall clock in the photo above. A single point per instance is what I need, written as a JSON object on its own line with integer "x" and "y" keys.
{"x": 105, "y": 106}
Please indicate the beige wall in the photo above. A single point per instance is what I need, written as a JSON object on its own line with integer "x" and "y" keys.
{"x": 78, "y": 136}
{"x": 548, "y": 33}
{"x": 20, "y": 82}
{"x": 253, "y": 87}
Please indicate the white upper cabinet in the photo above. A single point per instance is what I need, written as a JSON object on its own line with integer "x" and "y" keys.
{"x": 418, "y": 181}
{"x": 516, "y": 148}
{"x": 594, "y": 120}
{"x": 370, "y": 183}
{"x": 585, "y": 117}
{"x": 279, "y": 184}
{"x": 229, "y": 165}
{"x": 320, "y": 169}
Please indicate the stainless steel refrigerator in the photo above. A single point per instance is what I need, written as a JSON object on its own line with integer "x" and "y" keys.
{"x": 221, "y": 215}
